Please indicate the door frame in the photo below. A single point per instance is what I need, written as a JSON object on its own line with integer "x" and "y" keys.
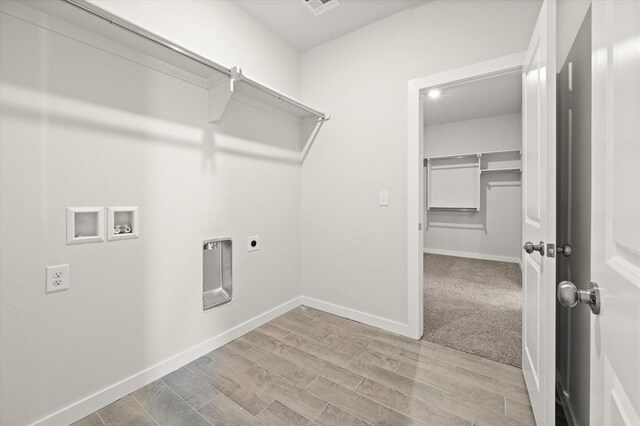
{"x": 416, "y": 175}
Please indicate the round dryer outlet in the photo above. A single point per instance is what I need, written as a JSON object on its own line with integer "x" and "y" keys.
{"x": 253, "y": 243}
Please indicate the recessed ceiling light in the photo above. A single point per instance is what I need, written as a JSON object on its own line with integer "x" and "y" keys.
{"x": 434, "y": 93}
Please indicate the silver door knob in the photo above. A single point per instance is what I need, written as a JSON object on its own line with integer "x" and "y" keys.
{"x": 565, "y": 249}
{"x": 529, "y": 247}
{"x": 570, "y": 296}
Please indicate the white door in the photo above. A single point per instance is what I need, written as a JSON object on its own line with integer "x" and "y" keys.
{"x": 615, "y": 221}
{"x": 539, "y": 215}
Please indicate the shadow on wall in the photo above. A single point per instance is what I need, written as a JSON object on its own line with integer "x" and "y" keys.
{"x": 251, "y": 133}
{"x": 74, "y": 85}
{"x": 254, "y": 133}
{"x": 257, "y": 133}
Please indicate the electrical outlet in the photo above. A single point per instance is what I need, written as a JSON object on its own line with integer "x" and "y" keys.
{"x": 253, "y": 243}
{"x": 57, "y": 278}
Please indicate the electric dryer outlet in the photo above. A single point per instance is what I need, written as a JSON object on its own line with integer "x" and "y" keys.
{"x": 253, "y": 243}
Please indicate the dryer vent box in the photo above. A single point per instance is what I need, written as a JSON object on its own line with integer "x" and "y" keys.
{"x": 217, "y": 272}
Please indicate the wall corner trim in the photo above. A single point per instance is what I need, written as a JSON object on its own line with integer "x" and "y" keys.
{"x": 106, "y": 396}
{"x": 363, "y": 317}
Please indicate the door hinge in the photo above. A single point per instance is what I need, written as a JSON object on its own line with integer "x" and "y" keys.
{"x": 419, "y": 227}
{"x": 570, "y": 100}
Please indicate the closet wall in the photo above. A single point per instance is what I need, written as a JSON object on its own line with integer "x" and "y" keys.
{"x": 83, "y": 127}
{"x": 492, "y": 233}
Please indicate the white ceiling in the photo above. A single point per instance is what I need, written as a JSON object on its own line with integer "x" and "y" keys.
{"x": 476, "y": 99}
{"x": 294, "y": 22}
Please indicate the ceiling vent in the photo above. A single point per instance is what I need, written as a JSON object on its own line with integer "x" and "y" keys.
{"x": 318, "y": 7}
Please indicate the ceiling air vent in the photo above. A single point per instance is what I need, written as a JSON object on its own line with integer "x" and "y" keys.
{"x": 318, "y": 7}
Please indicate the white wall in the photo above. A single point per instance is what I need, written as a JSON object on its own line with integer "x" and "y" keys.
{"x": 221, "y": 31}
{"x": 82, "y": 127}
{"x": 500, "y": 132}
{"x": 493, "y": 232}
{"x": 354, "y": 252}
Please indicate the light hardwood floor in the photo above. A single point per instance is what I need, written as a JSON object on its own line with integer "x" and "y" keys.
{"x": 309, "y": 367}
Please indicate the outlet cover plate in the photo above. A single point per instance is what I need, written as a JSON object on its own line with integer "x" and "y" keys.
{"x": 58, "y": 278}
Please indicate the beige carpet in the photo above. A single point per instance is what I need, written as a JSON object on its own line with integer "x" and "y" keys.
{"x": 474, "y": 306}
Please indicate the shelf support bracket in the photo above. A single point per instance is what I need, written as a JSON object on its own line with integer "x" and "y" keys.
{"x": 218, "y": 98}
{"x": 236, "y": 74}
{"x": 312, "y": 138}
{"x": 220, "y": 94}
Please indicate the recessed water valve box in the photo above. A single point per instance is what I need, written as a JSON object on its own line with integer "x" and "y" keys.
{"x": 85, "y": 225}
{"x": 122, "y": 223}
{"x": 217, "y": 266}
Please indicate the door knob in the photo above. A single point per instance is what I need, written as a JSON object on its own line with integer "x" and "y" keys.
{"x": 529, "y": 247}
{"x": 565, "y": 249}
{"x": 570, "y": 296}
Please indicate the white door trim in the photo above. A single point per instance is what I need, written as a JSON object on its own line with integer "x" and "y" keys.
{"x": 415, "y": 171}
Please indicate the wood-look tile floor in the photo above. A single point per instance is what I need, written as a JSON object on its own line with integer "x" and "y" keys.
{"x": 308, "y": 367}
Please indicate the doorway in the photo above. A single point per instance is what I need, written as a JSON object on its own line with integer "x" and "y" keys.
{"x": 472, "y": 140}
{"x": 417, "y": 174}
{"x": 537, "y": 67}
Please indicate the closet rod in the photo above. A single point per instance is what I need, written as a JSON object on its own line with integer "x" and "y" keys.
{"x": 113, "y": 20}
{"x": 462, "y": 209}
{"x": 445, "y": 157}
{"x": 236, "y": 74}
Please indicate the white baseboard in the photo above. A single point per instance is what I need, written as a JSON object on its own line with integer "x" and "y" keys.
{"x": 94, "y": 402}
{"x": 470, "y": 255}
{"x": 104, "y": 397}
{"x": 372, "y": 320}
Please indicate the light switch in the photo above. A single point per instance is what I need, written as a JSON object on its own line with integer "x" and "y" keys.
{"x": 384, "y": 198}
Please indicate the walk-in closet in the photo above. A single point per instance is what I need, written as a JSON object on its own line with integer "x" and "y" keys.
{"x": 473, "y": 166}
